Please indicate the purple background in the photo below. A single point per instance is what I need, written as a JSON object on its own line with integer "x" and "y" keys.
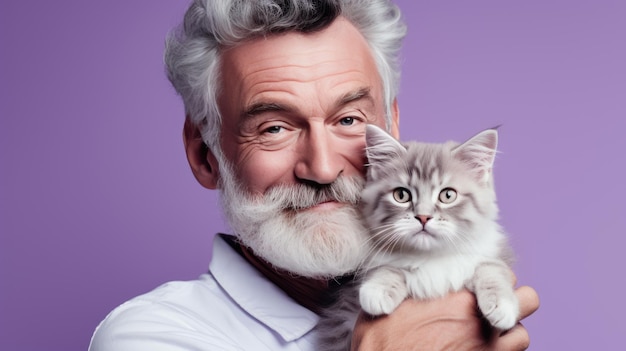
{"x": 97, "y": 203}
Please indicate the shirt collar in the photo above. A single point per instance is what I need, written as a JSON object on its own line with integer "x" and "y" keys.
{"x": 258, "y": 296}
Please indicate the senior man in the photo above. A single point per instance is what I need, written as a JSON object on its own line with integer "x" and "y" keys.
{"x": 277, "y": 95}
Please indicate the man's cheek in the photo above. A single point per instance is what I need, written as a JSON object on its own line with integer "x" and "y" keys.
{"x": 264, "y": 171}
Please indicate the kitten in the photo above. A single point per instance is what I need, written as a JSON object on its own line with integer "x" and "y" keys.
{"x": 431, "y": 210}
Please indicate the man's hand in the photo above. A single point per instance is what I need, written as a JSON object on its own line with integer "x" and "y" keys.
{"x": 449, "y": 323}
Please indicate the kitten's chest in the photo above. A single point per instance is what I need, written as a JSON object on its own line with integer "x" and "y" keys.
{"x": 437, "y": 276}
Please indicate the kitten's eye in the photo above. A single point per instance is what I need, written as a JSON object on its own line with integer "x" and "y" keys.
{"x": 401, "y": 195}
{"x": 447, "y": 195}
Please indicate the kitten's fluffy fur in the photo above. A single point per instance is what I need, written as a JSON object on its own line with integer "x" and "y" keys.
{"x": 431, "y": 210}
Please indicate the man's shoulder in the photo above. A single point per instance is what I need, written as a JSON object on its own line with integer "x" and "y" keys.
{"x": 183, "y": 312}
{"x": 182, "y": 298}
{"x": 175, "y": 295}
{"x": 233, "y": 307}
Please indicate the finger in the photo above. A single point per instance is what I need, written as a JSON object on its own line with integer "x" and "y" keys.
{"x": 528, "y": 301}
{"x": 514, "y": 339}
{"x": 513, "y": 278}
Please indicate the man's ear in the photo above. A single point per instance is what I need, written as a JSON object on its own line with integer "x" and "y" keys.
{"x": 201, "y": 160}
{"x": 395, "y": 120}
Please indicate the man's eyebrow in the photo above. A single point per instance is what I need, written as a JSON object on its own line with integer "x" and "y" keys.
{"x": 361, "y": 93}
{"x": 261, "y": 107}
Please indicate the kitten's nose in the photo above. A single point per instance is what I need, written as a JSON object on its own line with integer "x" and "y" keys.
{"x": 423, "y": 218}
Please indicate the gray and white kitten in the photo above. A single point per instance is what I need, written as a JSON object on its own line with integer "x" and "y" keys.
{"x": 431, "y": 210}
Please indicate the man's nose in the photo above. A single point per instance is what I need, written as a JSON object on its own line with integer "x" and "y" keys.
{"x": 319, "y": 160}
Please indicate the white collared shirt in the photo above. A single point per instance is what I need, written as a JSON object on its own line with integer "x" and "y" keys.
{"x": 233, "y": 307}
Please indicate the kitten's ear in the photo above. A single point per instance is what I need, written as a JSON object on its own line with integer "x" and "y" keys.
{"x": 479, "y": 153}
{"x": 380, "y": 149}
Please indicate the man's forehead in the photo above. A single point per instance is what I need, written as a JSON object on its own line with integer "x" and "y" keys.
{"x": 340, "y": 39}
{"x": 294, "y": 72}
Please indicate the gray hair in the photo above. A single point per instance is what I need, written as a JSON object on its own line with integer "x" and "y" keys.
{"x": 192, "y": 52}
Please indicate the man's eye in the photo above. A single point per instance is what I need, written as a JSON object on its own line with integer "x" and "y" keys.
{"x": 274, "y": 129}
{"x": 347, "y": 121}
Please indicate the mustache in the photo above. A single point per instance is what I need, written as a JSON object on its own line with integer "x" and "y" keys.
{"x": 304, "y": 195}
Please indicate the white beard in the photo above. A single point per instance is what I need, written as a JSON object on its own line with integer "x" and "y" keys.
{"x": 312, "y": 244}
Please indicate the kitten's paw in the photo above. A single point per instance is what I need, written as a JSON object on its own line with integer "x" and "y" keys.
{"x": 377, "y": 299}
{"x": 501, "y": 310}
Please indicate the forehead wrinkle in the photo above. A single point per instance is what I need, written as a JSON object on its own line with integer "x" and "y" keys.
{"x": 302, "y": 72}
